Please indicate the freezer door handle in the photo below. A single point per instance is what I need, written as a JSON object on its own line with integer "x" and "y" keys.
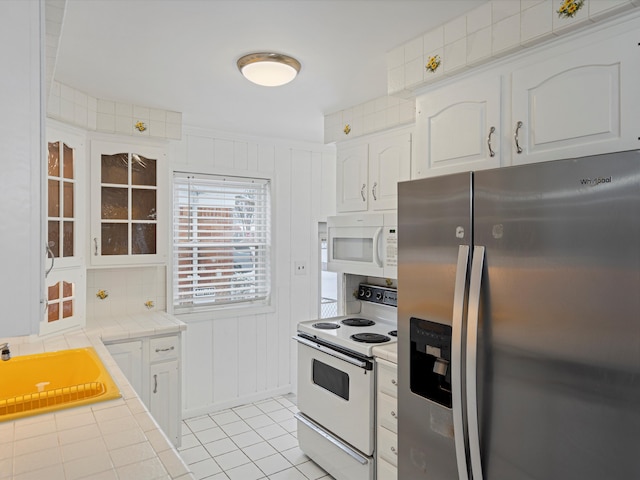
{"x": 456, "y": 360}
{"x": 475, "y": 286}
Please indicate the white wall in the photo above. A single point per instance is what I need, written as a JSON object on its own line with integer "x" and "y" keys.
{"x": 21, "y": 246}
{"x": 236, "y": 358}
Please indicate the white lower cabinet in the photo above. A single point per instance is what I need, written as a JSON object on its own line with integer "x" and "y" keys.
{"x": 152, "y": 366}
{"x": 387, "y": 420}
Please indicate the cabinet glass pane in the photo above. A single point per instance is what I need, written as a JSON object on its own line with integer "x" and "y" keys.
{"x": 67, "y": 239}
{"x": 115, "y": 203}
{"x": 143, "y": 204}
{"x": 67, "y": 289}
{"x": 143, "y": 170}
{"x": 53, "y": 237}
{"x": 53, "y": 292}
{"x": 115, "y": 239}
{"x": 67, "y": 159}
{"x": 115, "y": 168}
{"x": 54, "y": 198}
{"x": 53, "y": 312}
{"x": 54, "y": 159}
{"x": 67, "y": 200}
{"x": 143, "y": 241}
{"x": 67, "y": 308}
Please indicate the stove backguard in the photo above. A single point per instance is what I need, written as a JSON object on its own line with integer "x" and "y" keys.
{"x": 430, "y": 375}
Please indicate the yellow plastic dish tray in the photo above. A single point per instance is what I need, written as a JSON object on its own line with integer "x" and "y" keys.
{"x": 45, "y": 382}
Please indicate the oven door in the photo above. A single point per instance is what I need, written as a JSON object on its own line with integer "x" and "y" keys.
{"x": 337, "y": 393}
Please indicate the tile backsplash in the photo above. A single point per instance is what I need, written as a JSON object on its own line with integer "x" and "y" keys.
{"x": 126, "y": 290}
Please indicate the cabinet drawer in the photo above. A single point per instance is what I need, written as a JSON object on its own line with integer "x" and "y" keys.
{"x": 388, "y": 378}
{"x": 388, "y": 412}
{"x": 388, "y": 446}
{"x": 164, "y": 348}
{"x": 386, "y": 471}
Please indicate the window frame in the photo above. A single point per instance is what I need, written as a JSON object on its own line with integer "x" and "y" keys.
{"x": 202, "y": 311}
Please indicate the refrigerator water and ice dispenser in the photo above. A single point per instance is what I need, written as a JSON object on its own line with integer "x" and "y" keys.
{"x": 430, "y": 375}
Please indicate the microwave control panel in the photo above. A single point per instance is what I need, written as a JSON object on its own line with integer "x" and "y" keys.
{"x": 391, "y": 246}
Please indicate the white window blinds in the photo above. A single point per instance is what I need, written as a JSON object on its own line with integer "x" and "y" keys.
{"x": 221, "y": 241}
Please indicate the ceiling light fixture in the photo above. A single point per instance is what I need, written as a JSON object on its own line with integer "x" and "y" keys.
{"x": 268, "y": 69}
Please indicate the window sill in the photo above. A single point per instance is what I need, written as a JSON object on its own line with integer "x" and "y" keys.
{"x": 214, "y": 313}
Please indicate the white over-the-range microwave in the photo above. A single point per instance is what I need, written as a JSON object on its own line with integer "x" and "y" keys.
{"x": 363, "y": 244}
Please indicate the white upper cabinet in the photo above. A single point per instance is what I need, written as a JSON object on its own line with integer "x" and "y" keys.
{"x": 128, "y": 204}
{"x": 352, "y": 178}
{"x": 368, "y": 174}
{"x": 458, "y": 128}
{"x": 583, "y": 102}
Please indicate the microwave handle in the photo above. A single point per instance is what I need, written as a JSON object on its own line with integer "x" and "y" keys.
{"x": 377, "y": 245}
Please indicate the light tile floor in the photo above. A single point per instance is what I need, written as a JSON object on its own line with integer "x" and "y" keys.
{"x": 250, "y": 442}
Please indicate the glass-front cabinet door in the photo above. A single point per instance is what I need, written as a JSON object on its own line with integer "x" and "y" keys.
{"x": 63, "y": 251}
{"x": 126, "y": 218}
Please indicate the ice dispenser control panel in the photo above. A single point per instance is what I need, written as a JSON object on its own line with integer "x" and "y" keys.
{"x": 430, "y": 372}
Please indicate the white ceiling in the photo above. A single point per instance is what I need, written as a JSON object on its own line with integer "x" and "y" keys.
{"x": 181, "y": 55}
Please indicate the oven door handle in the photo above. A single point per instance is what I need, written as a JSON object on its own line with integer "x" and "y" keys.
{"x": 333, "y": 353}
{"x": 342, "y": 446}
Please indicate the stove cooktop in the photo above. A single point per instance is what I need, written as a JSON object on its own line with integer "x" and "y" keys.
{"x": 372, "y": 332}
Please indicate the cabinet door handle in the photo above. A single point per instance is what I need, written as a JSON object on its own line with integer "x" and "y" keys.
{"x": 491, "y": 132}
{"x": 95, "y": 246}
{"x": 515, "y": 137}
{"x": 364, "y": 186}
{"x": 168, "y": 349}
{"x": 394, "y": 382}
{"x": 393, "y": 449}
{"x": 373, "y": 190}
{"x": 394, "y": 414}
{"x": 155, "y": 384}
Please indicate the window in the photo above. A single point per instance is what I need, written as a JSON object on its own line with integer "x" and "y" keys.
{"x": 221, "y": 241}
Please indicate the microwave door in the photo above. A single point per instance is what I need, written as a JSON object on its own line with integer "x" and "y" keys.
{"x": 356, "y": 250}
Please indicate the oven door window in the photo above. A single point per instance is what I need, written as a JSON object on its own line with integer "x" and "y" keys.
{"x": 330, "y": 378}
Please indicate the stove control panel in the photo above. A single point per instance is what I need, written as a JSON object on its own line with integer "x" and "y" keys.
{"x": 377, "y": 294}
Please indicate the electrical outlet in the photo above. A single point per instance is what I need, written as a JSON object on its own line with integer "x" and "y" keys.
{"x": 300, "y": 267}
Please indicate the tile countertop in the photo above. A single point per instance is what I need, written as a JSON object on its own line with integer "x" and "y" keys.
{"x": 114, "y": 439}
{"x": 387, "y": 352}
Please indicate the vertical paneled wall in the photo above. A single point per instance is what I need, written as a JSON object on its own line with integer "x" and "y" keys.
{"x": 21, "y": 245}
{"x": 236, "y": 358}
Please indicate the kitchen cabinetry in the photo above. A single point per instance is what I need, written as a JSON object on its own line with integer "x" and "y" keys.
{"x": 387, "y": 420}
{"x": 583, "y": 102}
{"x": 152, "y": 366}
{"x": 368, "y": 173}
{"x": 128, "y": 212}
{"x": 65, "y": 230}
{"x": 458, "y": 128}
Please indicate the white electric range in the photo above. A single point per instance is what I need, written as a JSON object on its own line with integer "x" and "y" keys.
{"x": 336, "y": 384}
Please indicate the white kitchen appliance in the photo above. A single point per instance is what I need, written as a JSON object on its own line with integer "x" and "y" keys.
{"x": 336, "y": 384}
{"x": 363, "y": 244}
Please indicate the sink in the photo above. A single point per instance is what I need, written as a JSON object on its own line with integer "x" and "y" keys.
{"x": 44, "y": 382}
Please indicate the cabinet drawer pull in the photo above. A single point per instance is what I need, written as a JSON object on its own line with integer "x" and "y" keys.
{"x": 364, "y": 186}
{"x": 155, "y": 384}
{"x": 168, "y": 349}
{"x": 515, "y": 137}
{"x": 491, "y": 132}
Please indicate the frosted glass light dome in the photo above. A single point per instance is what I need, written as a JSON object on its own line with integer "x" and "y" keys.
{"x": 268, "y": 69}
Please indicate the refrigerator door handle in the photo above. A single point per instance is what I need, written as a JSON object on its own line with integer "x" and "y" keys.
{"x": 456, "y": 360}
{"x": 475, "y": 286}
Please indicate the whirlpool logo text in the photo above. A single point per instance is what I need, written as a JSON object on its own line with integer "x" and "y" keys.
{"x": 595, "y": 181}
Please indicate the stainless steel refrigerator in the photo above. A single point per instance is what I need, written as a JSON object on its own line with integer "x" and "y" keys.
{"x": 519, "y": 322}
